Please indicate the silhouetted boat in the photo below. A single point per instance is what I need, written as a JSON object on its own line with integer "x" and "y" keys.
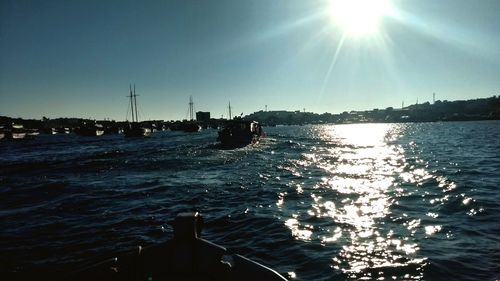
{"x": 50, "y": 131}
{"x": 134, "y": 128}
{"x": 14, "y": 131}
{"x": 185, "y": 257}
{"x": 63, "y": 130}
{"x": 239, "y": 132}
{"x": 90, "y": 129}
{"x": 112, "y": 129}
{"x": 190, "y": 126}
{"x": 32, "y": 132}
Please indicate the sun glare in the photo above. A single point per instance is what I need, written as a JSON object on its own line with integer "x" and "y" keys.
{"x": 358, "y": 17}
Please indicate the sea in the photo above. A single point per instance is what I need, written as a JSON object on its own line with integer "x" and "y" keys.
{"x": 414, "y": 201}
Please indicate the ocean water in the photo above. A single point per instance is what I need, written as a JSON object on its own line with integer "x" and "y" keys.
{"x": 322, "y": 202}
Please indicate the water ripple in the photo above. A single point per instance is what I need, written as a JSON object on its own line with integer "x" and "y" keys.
{"x": 322, "y": 202}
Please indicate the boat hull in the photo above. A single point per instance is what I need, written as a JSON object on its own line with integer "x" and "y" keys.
{"x": 90, "y": 132}
{"x": 91, "y": 129}
{"x": 16, "y": 135}
{"x": 14, "y": 132}
{"x": 185, "y": 257}
{"x": 240, "y": 133}
{"x": 227, "y": 139}
{"x": 190, "y": 127}
{"x": 136, "y": 131}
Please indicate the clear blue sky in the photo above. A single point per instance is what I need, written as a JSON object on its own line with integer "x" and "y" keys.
{"x": 72, "y": 58}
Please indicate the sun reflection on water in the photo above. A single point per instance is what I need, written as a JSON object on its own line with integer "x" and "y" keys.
{"x": 363, "y": 168}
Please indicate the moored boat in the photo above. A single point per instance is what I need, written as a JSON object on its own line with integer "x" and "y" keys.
{"x": 185, "y": 257}
{"x": 190, "y": 126}
{"x": 135, "y": 128}
{"x": 239, "y": 132}
{"x": 14, "y": 131}
{"x": 63, "y": 130}
{"x": 90, "y": 129}
{"x": 49, "y": 130}
{"x": 32, "y": 132}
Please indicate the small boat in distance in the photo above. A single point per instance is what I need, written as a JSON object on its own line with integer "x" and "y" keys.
{"x": 49, "y": 130}
{"x": 90, "y": 129}
{"x": 239, "y": 132}
{"x": 14, "y": 131}
{"x": 134, "y": 128}
{"x": 32, "y": 132}
{"x": 2, "y": 132}
{"x": 63, "y": 130}
{"x": 190, "y": 126}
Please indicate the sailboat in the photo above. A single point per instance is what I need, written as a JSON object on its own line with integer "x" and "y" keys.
{"x": 191, "y": 125}
{"x": 134, "y": 128}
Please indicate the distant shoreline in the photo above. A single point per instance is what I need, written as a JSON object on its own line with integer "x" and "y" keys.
{"x": 461, "y": 110}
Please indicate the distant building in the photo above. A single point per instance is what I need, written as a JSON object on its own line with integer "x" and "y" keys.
{"x": 202, "y": 116}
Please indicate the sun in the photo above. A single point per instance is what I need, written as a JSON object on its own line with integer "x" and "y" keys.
{"x": 358, "y": 17}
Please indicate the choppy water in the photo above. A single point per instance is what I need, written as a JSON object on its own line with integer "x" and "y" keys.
{"x": 343, "y": 202}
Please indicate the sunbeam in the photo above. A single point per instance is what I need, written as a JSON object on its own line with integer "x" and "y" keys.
{"x": 472, "y": 42}
{"x": 332, "y": 64}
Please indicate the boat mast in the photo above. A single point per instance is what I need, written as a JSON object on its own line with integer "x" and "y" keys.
{"x": 135, "y": 101}
{"x": 229, "y": 107}
{"x": 191, "y": 108}
{"x": 131, "y": 103}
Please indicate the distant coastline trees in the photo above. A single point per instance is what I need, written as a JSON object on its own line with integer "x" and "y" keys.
{"x": 461, "y": 110}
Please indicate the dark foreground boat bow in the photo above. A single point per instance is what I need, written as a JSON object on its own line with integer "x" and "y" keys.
{"x": 185, "y": 257}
